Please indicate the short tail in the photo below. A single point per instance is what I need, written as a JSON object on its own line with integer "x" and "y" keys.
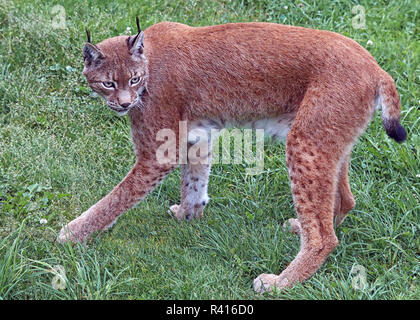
{"x": 391, "y": 108}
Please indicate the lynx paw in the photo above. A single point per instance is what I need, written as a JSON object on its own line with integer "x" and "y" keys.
{"x": 73, "y": 232}
{"x": 175, "y": 212}
{"x": 294, "y": 223}
{"x": 267, "y": 282}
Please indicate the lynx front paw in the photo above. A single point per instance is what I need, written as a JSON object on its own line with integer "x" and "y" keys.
{"x": 267, "y": 282}
{"x": 176, "y": 212}
{"x": 179, "y": 213}
{"x": 74, "y": 232}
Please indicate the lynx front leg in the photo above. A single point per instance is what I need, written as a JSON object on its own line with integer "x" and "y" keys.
{"x": 135, "y": 186}
{"x": 148, "y": 171}
{"x": 194, "y": 183}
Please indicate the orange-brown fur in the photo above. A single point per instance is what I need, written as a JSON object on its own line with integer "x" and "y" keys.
{"x": 236, "y": 73}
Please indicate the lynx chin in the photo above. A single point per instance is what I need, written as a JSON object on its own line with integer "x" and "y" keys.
{"x": 316, "y": 89}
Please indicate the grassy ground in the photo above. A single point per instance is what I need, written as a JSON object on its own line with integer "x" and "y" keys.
{"x": 61, "y": 150}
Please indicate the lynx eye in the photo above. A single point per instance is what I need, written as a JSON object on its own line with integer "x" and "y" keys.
{"x": 134, "y": 80}
{"x": 108, "y": 84}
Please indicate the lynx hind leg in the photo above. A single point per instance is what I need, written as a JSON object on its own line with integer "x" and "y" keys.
{"x": 313, "y": 187}
{"x": 344, "y": 200}
{"x": 313, "y": 173}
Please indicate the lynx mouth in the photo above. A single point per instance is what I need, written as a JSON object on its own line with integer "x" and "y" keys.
{"x": 121, "y": 111}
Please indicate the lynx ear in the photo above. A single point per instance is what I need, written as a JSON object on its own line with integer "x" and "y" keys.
{"x": 92, "y": 54}
{"x": 135, "y": 44}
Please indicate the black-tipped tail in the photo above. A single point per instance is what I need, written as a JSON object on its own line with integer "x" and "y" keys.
{"x": 395, "y": 130}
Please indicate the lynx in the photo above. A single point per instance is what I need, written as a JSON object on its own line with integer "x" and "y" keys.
{"x": 316, "y": 89}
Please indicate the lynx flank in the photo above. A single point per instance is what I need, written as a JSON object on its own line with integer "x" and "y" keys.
{"x": 317, "y": 89}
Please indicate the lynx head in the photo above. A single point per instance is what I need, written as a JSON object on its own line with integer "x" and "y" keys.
{"x": 116, "y": 69}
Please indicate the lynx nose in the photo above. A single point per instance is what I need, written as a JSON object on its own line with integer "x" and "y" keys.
{"x": 125, "y": 105}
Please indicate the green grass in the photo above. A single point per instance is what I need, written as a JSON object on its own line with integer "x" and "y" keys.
{"x": 61, "y": 150}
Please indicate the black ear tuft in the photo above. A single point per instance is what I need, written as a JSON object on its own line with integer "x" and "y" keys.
{"x": 135, "y": 43}
{"x": 92, "y": 54}
{"x": 88, "y": 35}
{"x": 138, "y": 25}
